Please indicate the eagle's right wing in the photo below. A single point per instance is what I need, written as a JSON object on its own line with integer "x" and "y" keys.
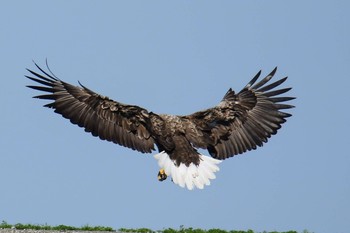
{"x": 103, "y": 117}
{"x": 241, "y": 121}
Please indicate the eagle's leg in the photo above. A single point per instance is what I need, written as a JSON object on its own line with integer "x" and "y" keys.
{"x": 161, "y": 175}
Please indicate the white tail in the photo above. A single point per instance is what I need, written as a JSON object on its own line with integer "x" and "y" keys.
{"x": 191, "y": 176}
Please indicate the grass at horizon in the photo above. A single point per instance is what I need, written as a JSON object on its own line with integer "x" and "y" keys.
{"x": 20, "y": 226}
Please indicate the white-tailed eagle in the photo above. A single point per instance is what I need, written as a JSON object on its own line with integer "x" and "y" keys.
{"x": 240, "y": 122}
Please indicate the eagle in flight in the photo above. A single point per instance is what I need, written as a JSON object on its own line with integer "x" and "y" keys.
{"x": 241, "y": 122}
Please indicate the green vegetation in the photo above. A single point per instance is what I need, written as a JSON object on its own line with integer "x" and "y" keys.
{"x": 138, "y": 230}
{"x": 21, "y": 226}
{"x": 182, "y": 229}
{"x": 195, "y": 230}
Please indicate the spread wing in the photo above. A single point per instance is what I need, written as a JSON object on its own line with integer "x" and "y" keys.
{"x": 123, "y": 124}
{"x": 242, "y": 121}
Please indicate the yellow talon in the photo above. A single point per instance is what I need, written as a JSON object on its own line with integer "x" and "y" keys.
{"x": 161, "y": 175}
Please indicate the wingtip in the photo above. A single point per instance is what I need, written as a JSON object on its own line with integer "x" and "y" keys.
{"x": 36, "y": 65}
{"x": 273, "y": 71}
{"x": 259, "y": 73}
{"x": 253, "y": 80}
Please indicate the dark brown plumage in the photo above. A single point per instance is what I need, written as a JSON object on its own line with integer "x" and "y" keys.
{"x": 240, "y": 122}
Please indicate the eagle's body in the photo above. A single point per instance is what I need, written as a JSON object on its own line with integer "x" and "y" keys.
{"x": 240, "y": 122}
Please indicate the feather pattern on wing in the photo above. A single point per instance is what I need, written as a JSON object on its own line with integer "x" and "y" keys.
{"x": 109, "y": 120}
{"x": 242, "y": 121}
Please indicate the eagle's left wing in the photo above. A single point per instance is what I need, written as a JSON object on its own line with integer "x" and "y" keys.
{"x": 241, "y": 121}
{"x": 110, "y": 120}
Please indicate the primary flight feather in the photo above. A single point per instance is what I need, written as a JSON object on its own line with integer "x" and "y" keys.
{"x": 240, "y": 122}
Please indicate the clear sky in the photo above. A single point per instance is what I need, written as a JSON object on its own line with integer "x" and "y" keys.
{"x": 176, "y": 57}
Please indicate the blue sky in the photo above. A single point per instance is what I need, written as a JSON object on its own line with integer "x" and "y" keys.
{"x": 176, "y": 57}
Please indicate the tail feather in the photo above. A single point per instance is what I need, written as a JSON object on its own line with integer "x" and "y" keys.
{"x": 191, "y": 176}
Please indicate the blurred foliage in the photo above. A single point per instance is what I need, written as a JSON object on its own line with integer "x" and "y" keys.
{"x": 182, "y": 229}
{"x": 20, "y": 226}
